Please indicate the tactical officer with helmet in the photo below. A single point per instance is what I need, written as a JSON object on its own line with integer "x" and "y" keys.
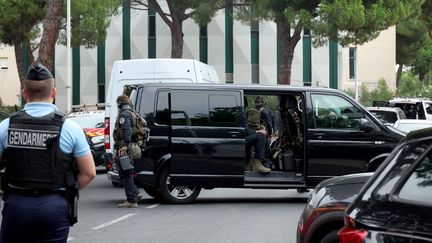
{"x": 124, "y": 141}
{"x": 46, "y": 160}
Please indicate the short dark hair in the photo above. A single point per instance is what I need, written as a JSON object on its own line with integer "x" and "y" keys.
{"x": 123, "y": 99}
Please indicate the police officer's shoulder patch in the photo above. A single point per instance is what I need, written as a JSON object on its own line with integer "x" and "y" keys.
{"x": 121, "y": 120}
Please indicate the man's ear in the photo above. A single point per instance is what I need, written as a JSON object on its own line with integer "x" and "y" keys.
{"x": 25, "y": 94}
{"x": 53, "y": 93}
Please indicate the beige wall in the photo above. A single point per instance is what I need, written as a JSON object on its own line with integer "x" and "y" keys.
{"x": 9, "y": 80}
{"x": 376, "y": 59}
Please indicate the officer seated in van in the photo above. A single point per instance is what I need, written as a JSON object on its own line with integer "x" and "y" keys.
{"x": 256, "y": 137}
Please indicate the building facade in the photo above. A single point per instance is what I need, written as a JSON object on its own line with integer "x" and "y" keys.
{"x": 240, "y": 53}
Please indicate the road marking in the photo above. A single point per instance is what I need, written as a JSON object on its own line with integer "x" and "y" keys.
{"x": 70, "y": 239}
{"x": 153, "y": 206}
{"x": 113, "y": 221}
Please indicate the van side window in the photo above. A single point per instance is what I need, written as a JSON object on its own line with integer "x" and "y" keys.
{"x": 428, "y": 107}
{"x": 224, "y": 110}
{"x": 189, "y": 108}
{"x": 332, "y": 111}
{"x": 162, "y": 112}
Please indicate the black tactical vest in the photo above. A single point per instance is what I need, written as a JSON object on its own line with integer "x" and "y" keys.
{"x": 33, "y": 156}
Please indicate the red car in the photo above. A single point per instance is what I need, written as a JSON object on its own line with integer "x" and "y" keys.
{"x": 92, "y": 122}
{"x": 323, "y": 215}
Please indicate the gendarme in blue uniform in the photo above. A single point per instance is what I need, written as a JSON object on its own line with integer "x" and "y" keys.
{"x": 25, "y": 215}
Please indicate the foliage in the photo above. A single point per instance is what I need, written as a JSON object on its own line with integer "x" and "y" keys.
{"x": 365, "y": 96}
{"x": 423, "y": 62}
{"x": 177, "y": 12}
{"x": 426, "y": 17}
{"x": 290, "y": 18}
{"x": 21, "y": 22}
{"x": 359, "y": 21}
{"x": 18, "y": 19}
{"x": 411, "y": 36}
{"x": 411, "y": 86}
{"x": 381, "y": 93}
{"x": 89, "y": 21}
{"x": 345, "y": 21}
{"x": 200, "y": 11}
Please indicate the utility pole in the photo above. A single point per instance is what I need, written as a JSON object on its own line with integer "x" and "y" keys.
{"x": 68, "y": 56}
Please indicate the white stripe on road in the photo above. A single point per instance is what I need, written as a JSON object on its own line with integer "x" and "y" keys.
{"x": 113, "y": 221}
{"x": 70, "y": 239}
{"x": 153, "y": 206}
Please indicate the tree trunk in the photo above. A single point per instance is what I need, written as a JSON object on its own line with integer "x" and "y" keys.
{"x": 19, "y": 54}
{"x": 287, "y": 46}
{"x": 177, "y": 39}
{"x": 399, "y": 75}
{"x": 422, "y": 76}
{"x": 51, "y": 29}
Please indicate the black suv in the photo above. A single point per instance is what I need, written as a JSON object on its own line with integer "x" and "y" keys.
{"x": 395, "y": 204}
{"x": 197, "y": 138}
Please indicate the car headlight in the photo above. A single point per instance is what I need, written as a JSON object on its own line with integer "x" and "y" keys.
{"x": 97, "y": 139}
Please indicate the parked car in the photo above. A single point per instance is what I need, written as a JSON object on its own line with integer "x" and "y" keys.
{"x": 395, "y": 204}
{"x": 323, "y": 215}
{"x": 92, "y": 122}
{"x": 409, "y": 125}
{"x": 387, "y": 115}
{"x": 336, "y": 135}
{"x": 414, "y": 108}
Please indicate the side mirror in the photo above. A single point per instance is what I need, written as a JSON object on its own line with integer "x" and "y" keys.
{"x": 366, "y": 125}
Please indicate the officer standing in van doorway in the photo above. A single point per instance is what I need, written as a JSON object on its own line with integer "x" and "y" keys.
{"x": 46, "y": 159}
{"x": 122, "y": 139}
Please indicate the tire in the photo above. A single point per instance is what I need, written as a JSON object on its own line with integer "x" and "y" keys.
{"x": 331, "y": 237}
{"x": 178, "y": 194}
{"x": 152, "y": 191}
{"x": 116, "y": 184}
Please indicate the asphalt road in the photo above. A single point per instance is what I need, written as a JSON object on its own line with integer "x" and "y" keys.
{"x": 219, "y": 215}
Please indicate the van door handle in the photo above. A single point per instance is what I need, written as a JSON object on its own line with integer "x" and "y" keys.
{"x": 319, "y": 135}
{"x": 234, "y": 134}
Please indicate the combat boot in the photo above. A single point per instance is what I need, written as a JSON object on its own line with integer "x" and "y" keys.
{"x": 258, "y": 167}
{"x": 127, "y": 204}
{"x": 248, "y": 165}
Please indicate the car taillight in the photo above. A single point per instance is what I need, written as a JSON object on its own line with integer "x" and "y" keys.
{"x": 350, "y": 234}
{"x": 108, "y": 166}
{"x": 107, "y": 135}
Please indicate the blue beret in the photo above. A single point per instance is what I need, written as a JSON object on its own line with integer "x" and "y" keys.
{"x": 37, "y": 71}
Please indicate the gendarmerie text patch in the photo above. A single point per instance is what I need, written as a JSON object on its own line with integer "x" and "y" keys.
{"x": 31, "y": 139}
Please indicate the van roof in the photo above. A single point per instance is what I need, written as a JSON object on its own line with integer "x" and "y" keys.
{"x": 411, "y": 100}
{"x": 251, "y": 87}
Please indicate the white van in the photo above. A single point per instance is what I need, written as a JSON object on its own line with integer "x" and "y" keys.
{"x": 140, "y": 71}
{"x": 414, "y": 108}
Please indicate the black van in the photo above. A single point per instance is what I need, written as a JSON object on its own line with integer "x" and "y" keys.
{"x": 197, "y": 138}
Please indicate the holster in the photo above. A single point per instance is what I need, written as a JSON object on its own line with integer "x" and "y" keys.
{"x": 72, "y": 196}
{"x": 4, "y": 185}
